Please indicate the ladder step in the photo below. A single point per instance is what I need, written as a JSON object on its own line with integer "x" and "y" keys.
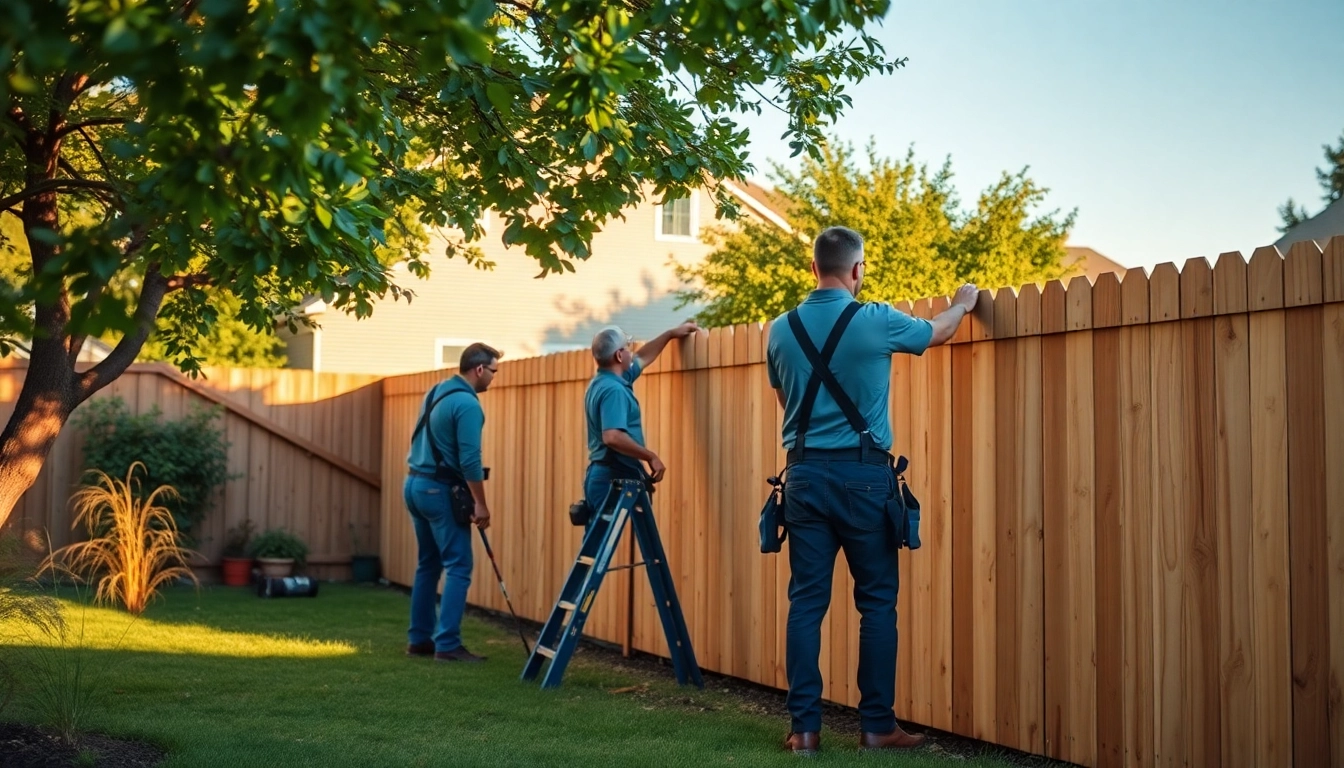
{"x": 547, "y": 652}
{"x": 586, "y": 560}
{"x": 566, "y": 605}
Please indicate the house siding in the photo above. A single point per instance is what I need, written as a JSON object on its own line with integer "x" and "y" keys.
{"x": 627, "y": 281}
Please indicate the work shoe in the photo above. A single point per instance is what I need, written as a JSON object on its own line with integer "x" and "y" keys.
{"x": 420, "y": 649}
{"x": 897, "y": 739}
{"x": 803, "y": 743}
{"x": 461, "y": 654}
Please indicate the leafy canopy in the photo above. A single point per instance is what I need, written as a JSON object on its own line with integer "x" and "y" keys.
{"x": 918, "y": 241}
{"x": 274, "y": 149}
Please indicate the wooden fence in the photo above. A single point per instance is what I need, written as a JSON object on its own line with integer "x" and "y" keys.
{"x": 1133, "y": 513}
{"x": 304, "y": 449}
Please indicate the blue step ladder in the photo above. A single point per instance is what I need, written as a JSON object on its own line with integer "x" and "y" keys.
{"x": 628, "y": 500}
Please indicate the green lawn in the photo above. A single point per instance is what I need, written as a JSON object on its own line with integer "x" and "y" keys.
{"x": 223, "y": 678}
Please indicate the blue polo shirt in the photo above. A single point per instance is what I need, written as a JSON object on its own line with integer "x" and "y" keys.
{"x": 455, "y": 426}
{"x": 862, "y": 365}
{"x": 610, "y": 404}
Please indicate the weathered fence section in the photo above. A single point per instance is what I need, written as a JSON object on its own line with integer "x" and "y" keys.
{"x": 1133, "y": 512}
{"x": 304, "y": 450}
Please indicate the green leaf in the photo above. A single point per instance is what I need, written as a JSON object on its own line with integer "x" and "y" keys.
{"x": 499, "y": 96}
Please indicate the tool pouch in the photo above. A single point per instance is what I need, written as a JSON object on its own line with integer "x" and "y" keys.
{"x": 464, "y": 506}
{"x": 580, "y": 512}
{"x": 903, "y": 510}
{"x": 772, "y": 528}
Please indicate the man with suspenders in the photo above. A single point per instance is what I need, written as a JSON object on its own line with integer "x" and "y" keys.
{"x": 445, "y": 494}
{"x": 829, "y": 361}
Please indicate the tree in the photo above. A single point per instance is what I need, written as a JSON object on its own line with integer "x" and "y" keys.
{"x": 918, "y": 243}
{"x": 1331, "y": 179}
{"x": 263, "y": 149}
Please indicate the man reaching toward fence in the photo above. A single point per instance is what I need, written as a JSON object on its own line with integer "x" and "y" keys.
{"x": 615, "y": 430}
{"x": 840, "y": 476}
{"x": 445, "y": 494}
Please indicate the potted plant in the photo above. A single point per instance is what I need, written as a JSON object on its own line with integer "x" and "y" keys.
{"x": 363, "y": 563}
{"x": 278, "y": 552}
{"x": 235, "y": 563}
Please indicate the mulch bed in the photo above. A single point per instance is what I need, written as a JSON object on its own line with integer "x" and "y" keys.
{"x": 841, "y": 723}
{"x": 26, "y": 746}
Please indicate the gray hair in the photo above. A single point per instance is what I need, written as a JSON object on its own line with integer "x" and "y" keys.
{"x": 606, "y": 342}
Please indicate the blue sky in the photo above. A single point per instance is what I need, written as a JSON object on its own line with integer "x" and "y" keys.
{"x": 1176, "y": 128}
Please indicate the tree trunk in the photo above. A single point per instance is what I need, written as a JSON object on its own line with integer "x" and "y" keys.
{"x": 44, "y": 405}
{"x": 52, "y": 389}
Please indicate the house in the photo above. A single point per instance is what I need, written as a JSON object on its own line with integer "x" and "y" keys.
{"x": 1321, "y": 227}
{"x": 1085, "y": 261}
{"x": 627, "y": 281}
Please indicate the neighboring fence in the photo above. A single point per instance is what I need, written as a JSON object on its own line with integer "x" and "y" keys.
{"x": 305, "y": 448}
{"x": 1133, "y": 513}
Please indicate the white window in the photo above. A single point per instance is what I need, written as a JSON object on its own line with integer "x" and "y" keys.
{"x": 448, "y": 352}
{"x": 677, "y": 220}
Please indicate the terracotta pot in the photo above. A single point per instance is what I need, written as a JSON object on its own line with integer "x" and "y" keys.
{"x": 237, "y": 571}
{"x": 276, "y": 566}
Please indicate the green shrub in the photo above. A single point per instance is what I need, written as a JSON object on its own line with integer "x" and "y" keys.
{"x": 279, "y": 543}
{"x": 235, "y": 545}
{"x": 189, "y": 454}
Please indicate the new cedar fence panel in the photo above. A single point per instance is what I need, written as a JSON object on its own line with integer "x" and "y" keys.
{"x": 1133, "y": 534}
{"x": 286, "y": 452}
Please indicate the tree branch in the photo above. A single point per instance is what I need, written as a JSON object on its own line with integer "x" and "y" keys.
{"x": 20, "y": 119}
{"x": 48, "y": 185}
{"x": 155, "y": 287}
{"x": 65, "y": 165}
{"x": 102, "y": 162}
{"x": 90, "y": 123}
{"x": 178, "y": 282}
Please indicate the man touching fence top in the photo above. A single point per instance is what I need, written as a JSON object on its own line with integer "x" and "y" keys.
{"x": 445, "y": 494}
{"x": 840, "y": 475}
{"x": 615, "y": 430}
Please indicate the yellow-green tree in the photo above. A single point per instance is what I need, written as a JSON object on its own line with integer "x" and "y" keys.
{"x": 918, "y": 240}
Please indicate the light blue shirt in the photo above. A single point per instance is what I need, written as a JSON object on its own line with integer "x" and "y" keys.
{"x": 862, "y": 365}
{"x": 610, "y": 404}
{"x": 455, "y": 426}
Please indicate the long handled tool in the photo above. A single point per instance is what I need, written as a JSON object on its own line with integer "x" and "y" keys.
{"x": 507, "y": 601}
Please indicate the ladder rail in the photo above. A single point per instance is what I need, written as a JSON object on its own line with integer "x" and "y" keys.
{"x": 628, "y": 501}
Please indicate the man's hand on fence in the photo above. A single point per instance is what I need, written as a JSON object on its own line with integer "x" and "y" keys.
{"x": 685, "y": 329}
{"x": 482, "y": 516}
{"x": 966, "y": 296}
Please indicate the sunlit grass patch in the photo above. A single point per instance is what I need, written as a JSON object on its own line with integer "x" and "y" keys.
{"x": 109, "y": 629}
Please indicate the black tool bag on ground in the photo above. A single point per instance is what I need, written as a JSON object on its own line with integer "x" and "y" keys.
{"x": 902, "y": 508}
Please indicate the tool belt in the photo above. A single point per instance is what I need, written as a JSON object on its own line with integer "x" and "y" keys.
{"x": 580, "y": 512}
{"x": 463, "y": 504}
{"x": 873, "y": 455}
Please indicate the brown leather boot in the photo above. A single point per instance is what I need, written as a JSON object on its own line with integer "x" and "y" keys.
{"x": 803, "y": 743}
{"x": 897, "y": 739}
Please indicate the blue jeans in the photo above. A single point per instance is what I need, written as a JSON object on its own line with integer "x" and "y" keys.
{"x": 444, "y": 546}
{"x": 829, "y": 506}
{"x": 597, "y": 484}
